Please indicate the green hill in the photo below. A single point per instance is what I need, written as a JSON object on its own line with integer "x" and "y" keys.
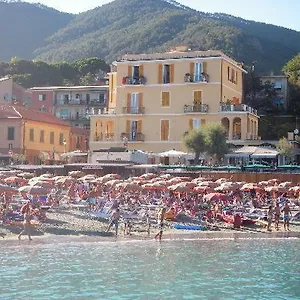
{"x": 138, "y": 26}
{"x": 24, "y": 27}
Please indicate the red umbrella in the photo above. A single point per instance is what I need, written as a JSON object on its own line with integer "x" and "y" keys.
{"x": 215, "y": 197}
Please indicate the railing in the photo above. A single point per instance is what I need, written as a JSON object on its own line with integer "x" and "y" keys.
{"x": 252, "y": 137}
{"x": 103, "y": 111}
{"x": 236, "y": 136}
{"x": 134, "y": 110}
{"x": 237, "y": 107}
{"x": 196, "y": 108}
{"x": 104, "y": 137}
{"x": 133, "y": 137}
{"x": 138, "y": 80}
{"x": 195, "y": 78}
{"x": 80, "y": 102}
{"x": 74, "y": 118}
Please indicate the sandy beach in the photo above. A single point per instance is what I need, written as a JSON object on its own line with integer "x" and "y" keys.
{"x": 66, "y": 225}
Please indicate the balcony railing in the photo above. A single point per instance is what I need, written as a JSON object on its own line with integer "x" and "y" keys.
{"x": 133, "y": 137}
{"x": 135, "y": 80}
{"x": 252, "y": 137}
{"x": 74, "y": 118}
{"x": 236, "y": 136}
{"x": 104, "y": 137}
{"x": 196, "y": 108}
{"x": 237, "y": 107}
{"x": 195, "y": 78}
{"x": 134, "y": 110}
{"x": 80, "y": 102}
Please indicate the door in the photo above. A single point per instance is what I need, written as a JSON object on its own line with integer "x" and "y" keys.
{"x": 133, "y": 130}
{"x": 134, "y": 104}
{"x": 198, "y": 71}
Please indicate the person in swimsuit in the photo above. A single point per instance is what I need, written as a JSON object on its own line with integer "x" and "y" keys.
{"x": 114, "y": 220}
{"x": 286, "y": 216}
{"x": 26, "y": 211}
{"x": 277, "y": 216}
{"x": 269, "y": 217}
{"x": 160, "y": 222}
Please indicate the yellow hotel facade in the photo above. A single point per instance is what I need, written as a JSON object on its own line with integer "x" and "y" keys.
{"x": 155, "y": 99}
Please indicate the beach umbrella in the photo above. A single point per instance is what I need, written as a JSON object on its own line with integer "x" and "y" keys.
{"x": 7, "y": 189}
{"x": 285, "y": 185}
{"x": 215, "y": 197}
{"x": 178, "y": 188}
{"x": 25, "y": 175}
{"x": 15, "y": 179}
{"x": 172, "y": 153}
{"x": 33, "y": 190}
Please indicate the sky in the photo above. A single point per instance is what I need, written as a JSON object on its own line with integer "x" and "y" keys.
{"x": 278, "y": 12}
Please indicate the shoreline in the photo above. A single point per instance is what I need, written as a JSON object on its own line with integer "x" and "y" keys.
{"x": 48, "y": 239}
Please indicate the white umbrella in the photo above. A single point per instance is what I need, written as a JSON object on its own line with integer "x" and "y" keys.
{"x": 172, "y": 153}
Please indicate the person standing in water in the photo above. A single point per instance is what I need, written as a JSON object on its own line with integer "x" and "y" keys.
{"x": 26, "y": 211}
{"x": 160, "y": 222}
{"x": 114, "y": 220}
{"x": 269, "y": 217}
{"x": 286, "y": 216}
{"x": 277, "y": 216}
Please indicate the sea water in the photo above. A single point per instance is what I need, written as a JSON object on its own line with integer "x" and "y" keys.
{"x": 182, "y": 269}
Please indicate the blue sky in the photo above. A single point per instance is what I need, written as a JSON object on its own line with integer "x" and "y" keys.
{"x": 278, "y": 12}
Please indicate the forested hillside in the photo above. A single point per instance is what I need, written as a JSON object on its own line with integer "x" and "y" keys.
{"x": 24, "y": 27}
{"x": 135, "y": 26}
{"x": 138, "y": 26}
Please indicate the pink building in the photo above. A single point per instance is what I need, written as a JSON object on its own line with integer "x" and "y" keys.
{"x": 42, "y": 99}
{"x": 12, "y": 93}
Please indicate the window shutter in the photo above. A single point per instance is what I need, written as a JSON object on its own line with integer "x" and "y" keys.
{"x": 228, "y": 73}
{"x": 162, "y": 137}
{"x": 141, "y": 70}
{"x": 167, "y": 98}
{"x": 140, "y": 100}
{"x": 197, "y": 97}
{"x": 139, "y": 126}
{"x": 204, "y": 67}
{"x": 172, "y": 73}
{"x": 129, "y": 71}
{"x": 191, "y": 124}
{"x": 160, "y": 71}
{"x": 128, "y": 102}
{"x": 127, "y": 127}
{"x": 203, "y": 121}
{"x": 192, "y": 68}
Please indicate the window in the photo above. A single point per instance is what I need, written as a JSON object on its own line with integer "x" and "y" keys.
{"x": 42, "y": 97}
{"x": 165, "y": 99}
{"x": 11, "y": 133}
{"x": 197, "y": 97}
{"x": 136, "y": 72}
{"x": 102, "y": 98}
{"x": 6, "y": 97}
{"x": 164, "y": 130}
{"x": 77, "y": 96}
{"x": 88, "y": 98}
{"x": 64, "y": 114}
{"x": 166, "y": 74}
{"x": 31, "y": 135}
{"x": 198, "y": 72}
{"x": 66, "y": 99}
{"x": 52, "y": 137}
{"x": 78, "y": 142}
{"x": 61, "y": 138}
{"x": 232, "y": 75}
{"x": 42, "y": 136}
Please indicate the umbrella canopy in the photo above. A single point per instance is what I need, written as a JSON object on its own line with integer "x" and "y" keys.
{"x": 14, "y": 179}
{"x": 257, "y": 166}
{"x": 215, "y": 197}
{"x": 33, "y": 190}
{"x": 7, "y": 189}
{"x": 172, "y": 153}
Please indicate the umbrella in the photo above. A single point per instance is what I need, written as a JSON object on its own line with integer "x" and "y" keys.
{"x": 257, "y": 166}
{"x": 172, "y": 153}
{"x": 14, "y": 179}
{"x": 33, "y": 190}
{"x": 215, "y": 197}
{"x": 7, "y": 189}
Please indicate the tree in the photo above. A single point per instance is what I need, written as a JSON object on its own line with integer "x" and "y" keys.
{"x": 285, "y": 148}
{"x": 292, "y": 69}
{"x": 215, "y": 140}
{"x": 194, "y": 141}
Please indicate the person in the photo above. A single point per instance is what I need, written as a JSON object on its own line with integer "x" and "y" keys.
{"x": 277, "y": 216}
{"x": 286, "y": 216}
{"x": 114, "y": 220}
{"x": 160, "y": 222}
{"x": 26, "y": 211}
{"x": 269, "y": 217}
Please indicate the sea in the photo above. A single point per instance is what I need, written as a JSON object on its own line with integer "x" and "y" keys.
{"x": 138, "y": 269}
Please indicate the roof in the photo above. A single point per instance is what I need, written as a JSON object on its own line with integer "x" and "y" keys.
{"x": 254, "y": 152}
{"x": 67, "y": 88}
{"x": 177, "y": 55}
{"x": 81, "y": 131}
{"x": 19, "y": 112}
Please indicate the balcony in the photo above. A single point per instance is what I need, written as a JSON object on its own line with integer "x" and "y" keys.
{"x": 96, "y": 102}
{"x": 252, "y": 137}
{"x": 106, "y": 137}
{"x": 203, "y": 77}
{"x": 134, "y": 110}
{"x": 136, "y": 80}
{"x": 196, "y": 108}
{"x": 133, "y": 137}
{"x": 237, "y": 108}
